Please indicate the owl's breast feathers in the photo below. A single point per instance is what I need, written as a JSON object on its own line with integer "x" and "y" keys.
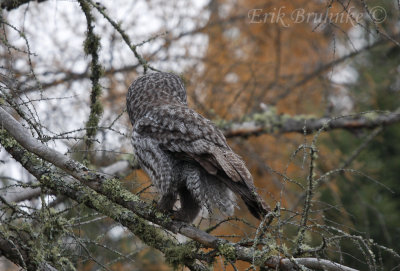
{"x": 188, "y": 136}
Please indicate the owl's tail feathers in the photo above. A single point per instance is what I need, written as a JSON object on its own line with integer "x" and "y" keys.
{"x": 256, "y": 205}
{"x": 240, "y": 181}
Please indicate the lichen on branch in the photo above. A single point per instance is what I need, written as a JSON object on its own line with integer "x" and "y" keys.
{"x": 92, "y": 48}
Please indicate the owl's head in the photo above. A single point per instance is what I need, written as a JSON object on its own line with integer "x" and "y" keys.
{"x": 152, "y": 89}
{"x": 160, "y": 84}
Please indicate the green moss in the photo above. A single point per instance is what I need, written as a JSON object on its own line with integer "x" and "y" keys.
{"x": 371, "y": 116}
{"x": 42, "y": 241}
{"x": 114, "y": 188}
{"x": 100, "y": 202}
{"x": 8, "y": 141}
{"x": 269, "y": 249}
{"x": 54, "y": 226}
{"x": 268, "y": 119}
{"x": 91, "y": 43}
{"x": 5, "y": 140}
{"x": 96, "y": 111}
{"x": 150, "y": 235}
{"x": 92, "y": 47}
{"x": 180, "y": 254}
{"x": 228, "y": 251}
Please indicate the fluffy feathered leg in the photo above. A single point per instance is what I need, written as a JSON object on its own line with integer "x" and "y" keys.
{"x": 190, "y": 208}
{"x": 167, "y": 201}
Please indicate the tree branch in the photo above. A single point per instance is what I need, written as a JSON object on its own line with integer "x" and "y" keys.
{"x": 54, "y": 181}
{"x": 12, "y": 4}
{"x": 98, "y": 181}
{"x": 312, "y": 263}
{"x": 111, "y": 190}
{"x": 22, "y": 193}
{"x": 92, "y": 47}
{"x": 17, "y": 251}
{"x": 269, "y": 123}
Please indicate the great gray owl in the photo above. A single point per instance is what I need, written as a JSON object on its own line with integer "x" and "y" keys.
{"x": 184, "y": 153}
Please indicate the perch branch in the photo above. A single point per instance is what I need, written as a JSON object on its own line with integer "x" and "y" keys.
{"x": 122, "y": 197}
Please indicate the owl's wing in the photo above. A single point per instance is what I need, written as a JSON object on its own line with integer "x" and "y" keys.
{"x": 187, "y": 135}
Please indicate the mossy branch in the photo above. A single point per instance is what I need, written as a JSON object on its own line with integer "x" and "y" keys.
{"x": 270, "y": 122}
{"x": 92, "y": 48}
{"x": 125, "y": 37}
{"x": 175, "y": 253}
{"x": 108, "y": 196}
{"x": 308, "y": 201}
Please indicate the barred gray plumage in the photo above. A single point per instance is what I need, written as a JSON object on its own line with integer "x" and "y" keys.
{"x": 183, "y": 153}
